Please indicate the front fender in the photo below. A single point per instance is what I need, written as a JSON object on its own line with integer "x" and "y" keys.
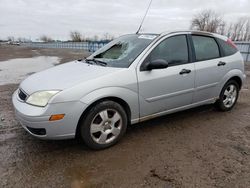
{"x": 129, "y": 96}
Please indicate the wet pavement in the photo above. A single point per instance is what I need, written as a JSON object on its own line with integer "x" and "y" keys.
{"x": 200, "y": 147}
{"x": 15, "y": 70}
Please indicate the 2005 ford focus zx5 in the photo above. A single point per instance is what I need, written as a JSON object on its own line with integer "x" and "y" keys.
{"x": 133, "y": 78}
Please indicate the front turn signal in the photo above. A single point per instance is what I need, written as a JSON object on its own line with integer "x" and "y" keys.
{"x": 56, "y": 117}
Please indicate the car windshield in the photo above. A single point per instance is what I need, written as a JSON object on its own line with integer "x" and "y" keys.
{"x": 122, "y": 51}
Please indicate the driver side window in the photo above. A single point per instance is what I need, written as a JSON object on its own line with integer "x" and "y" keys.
{"x": 174, "y": 50}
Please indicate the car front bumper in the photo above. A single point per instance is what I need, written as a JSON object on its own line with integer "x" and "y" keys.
{"x": 35, "y": 120}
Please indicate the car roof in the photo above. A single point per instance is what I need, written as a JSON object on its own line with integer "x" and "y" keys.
{"x": 195, "y": 33}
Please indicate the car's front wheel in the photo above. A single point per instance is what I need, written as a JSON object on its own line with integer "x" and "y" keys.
{"x": 103, "y": 125}
{"x": 228, "y": 96}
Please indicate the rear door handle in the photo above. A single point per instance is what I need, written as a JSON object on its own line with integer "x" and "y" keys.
{"x": 185, "y": 71}
{"x": 221, "y": 63}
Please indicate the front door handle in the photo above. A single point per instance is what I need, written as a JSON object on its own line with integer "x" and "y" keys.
{"x": 221, "y": 63}
{"x": 185, "y": 71}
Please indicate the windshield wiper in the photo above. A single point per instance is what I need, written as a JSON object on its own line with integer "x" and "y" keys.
{"x": 102, "y": 63}
{"x": 88, "y": 61}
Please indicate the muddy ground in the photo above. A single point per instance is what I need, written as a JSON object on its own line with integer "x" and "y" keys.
{"x": 195, "y": 148}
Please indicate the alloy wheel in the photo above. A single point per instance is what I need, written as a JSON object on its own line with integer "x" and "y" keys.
{"x": 106, "y": 126}
{"x": 230, "y": 96}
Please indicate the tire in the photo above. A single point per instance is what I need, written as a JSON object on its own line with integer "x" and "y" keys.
{"x": 103, "y": 125}
{"x": 228, "y": 96}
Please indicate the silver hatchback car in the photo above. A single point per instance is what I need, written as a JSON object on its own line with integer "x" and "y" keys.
{"x": 133, "y": 78}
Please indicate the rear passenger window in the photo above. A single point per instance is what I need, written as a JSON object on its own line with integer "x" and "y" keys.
{"x": 227, "y": 48}
{"x": 174, "y": 50}
{"x": 205, "y": 48}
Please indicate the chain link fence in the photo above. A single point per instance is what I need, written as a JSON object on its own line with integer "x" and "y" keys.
{"x": 244, "y": 48}
{"x": 88, "y": 46}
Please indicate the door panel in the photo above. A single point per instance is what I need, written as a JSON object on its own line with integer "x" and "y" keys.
{"x": 165, "y": 89}
{"x": 206, "y": 79}
{"x": 208, "y": 73}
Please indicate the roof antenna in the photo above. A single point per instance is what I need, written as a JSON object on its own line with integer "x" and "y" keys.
{"x": 144, "y": 16}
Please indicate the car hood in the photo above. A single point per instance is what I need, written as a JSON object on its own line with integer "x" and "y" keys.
{"x": 64, "y": 76}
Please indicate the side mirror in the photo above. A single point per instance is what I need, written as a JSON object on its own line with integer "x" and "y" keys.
{"x": 157, "y": 64}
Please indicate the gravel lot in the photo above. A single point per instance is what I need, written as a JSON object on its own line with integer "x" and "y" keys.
{"x": 195, "y": 148}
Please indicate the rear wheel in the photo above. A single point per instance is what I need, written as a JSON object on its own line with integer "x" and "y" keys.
{"x": 103, "y": 125}
{"x": 228, "y": 96}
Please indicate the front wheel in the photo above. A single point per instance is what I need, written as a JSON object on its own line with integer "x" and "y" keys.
{"x": 103, "y": 125}
{"x": 228, "y": 96}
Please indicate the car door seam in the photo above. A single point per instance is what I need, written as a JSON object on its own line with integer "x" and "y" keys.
{"x": 160, "y": 97}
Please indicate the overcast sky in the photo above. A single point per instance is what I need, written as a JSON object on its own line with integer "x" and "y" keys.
{"x": 56, "y": 18}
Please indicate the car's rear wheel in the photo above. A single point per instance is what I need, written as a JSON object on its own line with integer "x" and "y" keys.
{"x": 103, "y": 125}
{"x": 228, "y": 96}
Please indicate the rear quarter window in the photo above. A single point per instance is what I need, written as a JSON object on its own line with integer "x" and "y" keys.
{"x": 227, "y": 48}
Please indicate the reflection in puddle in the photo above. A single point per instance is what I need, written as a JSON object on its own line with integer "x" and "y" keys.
{"x": 15, "y": 70}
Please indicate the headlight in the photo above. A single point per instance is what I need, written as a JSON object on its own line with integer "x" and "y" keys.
{"x": 40, "y": 98}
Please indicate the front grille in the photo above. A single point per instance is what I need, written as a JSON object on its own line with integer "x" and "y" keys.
{"x": 22, "y": 95}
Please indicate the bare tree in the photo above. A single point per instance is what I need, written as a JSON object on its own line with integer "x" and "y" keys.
{"x": 76, "y": 36}
{"x": 209, "y": 21}
{"x": 246, "y": 36}
{"x": 108, "y": 36}
{"x": 23, "y": 39}
{"x": 45, "y": 38}
{"x": 229, "y": 30}
{"x": 222, "y": 28}
{"x": 240, "y": 30}
{"x": 237, "y": 29}
{"x": 10, "y": 38}
{"x": 96, "y": 38}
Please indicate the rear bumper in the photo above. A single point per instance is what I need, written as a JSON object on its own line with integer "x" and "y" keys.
{"x": 35, "y": 120}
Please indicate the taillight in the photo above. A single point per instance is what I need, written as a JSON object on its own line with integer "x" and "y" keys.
{"x": 230, "y": 42}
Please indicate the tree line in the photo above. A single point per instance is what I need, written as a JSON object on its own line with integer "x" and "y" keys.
{"x": 212, "y": 21}
{"x": 76, "y": 36}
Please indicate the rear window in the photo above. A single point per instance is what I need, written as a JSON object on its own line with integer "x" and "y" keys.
{"x": 205, "y": 48}
{"x": 227, "y": 48}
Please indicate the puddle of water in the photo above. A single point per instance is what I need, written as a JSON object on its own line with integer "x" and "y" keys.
{"x": 78, "y": 177}
{"x": 15, "y": 70}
